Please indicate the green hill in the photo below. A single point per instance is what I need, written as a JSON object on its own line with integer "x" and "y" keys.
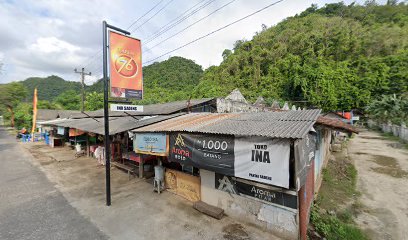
{"x": 336, "y": 57}
{"x": 170, "y": 80}
{"x": 50, "y": 87}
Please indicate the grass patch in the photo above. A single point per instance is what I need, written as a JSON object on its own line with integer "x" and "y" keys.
{"x": 336, "y": 227}
{"x": 339, "y": 183}
{"x": 333, "y": 212}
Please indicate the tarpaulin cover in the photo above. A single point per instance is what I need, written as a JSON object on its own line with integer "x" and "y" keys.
{"x": 75, "y": 132}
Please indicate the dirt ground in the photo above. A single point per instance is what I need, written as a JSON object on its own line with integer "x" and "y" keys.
{"x": 382, "y": 167}
{"x": 136, "y": 212}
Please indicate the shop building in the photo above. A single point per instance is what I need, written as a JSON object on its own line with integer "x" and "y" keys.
{"x": 257, "y": 167}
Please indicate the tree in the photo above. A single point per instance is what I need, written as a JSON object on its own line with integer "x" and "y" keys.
{"x": 11, "y": 95}
{"x": 390, "y": 108}
{"x": 338, "y": 57}
{"x": 23, "y": 115}
{"x": 94, "y": 101}
{"x": 226, "y": 53}
{"x": 69, "y": 100}
{"x": 44, "y": 104}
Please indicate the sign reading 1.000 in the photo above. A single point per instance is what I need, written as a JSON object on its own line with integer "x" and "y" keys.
{"x": 216, "y": 145}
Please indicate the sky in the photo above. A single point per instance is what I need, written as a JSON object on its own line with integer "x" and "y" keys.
{"x": 53, "y": 37}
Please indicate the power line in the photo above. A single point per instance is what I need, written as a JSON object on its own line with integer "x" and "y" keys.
{"x": 137, "y": 20}
{"x": 160, "y": 32}
{"x": 174, "y": 20}
{"x": 95, "y": 56}
{"x": 141, "y": 25}
{"x": 98, "y": 54}
{"x": 217, "y": 30}
{"x": 150, "y": 48}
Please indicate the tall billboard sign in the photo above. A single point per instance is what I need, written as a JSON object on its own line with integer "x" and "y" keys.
{"x": 125, "y": 60}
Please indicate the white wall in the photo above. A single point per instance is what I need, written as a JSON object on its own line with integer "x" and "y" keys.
{"x": 398, "y": 131}
{"x": 280, "y": 221}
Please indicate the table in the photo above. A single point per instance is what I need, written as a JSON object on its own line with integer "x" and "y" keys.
{"x": 132, "y": 156}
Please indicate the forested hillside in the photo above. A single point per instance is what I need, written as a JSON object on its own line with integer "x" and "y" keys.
{"x": 335, "y": 57}
{"x": 169, "y": 80}
{"x": 338, "y": 57}
{"x": 50, "y": 87}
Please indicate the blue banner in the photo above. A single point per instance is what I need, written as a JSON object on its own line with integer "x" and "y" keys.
{"x": 151, "y": 143}
{"x": 60, "y": 130}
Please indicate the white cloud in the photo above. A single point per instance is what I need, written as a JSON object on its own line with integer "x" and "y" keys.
{"x": 52, "y": 45}
{"x": 44, "y": 37}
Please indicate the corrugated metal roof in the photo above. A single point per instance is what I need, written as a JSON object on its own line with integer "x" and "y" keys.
{"x": 336, "y": 124}
{"x": 288, "y": 124}
{"x": 116, "y": 124}
{"x": 49, "y": 114}
{"x": 151, "y": 109}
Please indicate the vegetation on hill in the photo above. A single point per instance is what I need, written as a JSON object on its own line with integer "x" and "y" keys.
{"x": 336, "y": 57}
{"x": 170, "y": 80}
{"x": 50, "y": 87}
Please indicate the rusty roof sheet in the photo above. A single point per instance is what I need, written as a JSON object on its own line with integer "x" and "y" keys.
{"x": 335, "y": 124}
{"x": 288, "y": 124}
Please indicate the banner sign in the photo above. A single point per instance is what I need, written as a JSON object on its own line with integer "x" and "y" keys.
{"x": 151, "y": 143}
{"x": 263, "y": 160}
{"x": 256, "y": 158}
{"x": 262, "y": 192}
{"x": 125, "y": 60}
{"x": 211, "y": 152}
{"x": 126, "y": 108}
{"x": 35, "y": 100}
{"x": 61, "y": 130}
{"x": 304, "y": 154}
{"x": 182, "y": 184}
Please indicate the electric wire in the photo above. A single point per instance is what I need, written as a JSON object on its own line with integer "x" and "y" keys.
{"x": 137, "y": 20}
{"x": 95, "y": 56}
{"x": 215, "y": 31}
{"x": 149, "y": 39}
{"x": 161, "y": 9}
{"x": 99, "y": 53}
{"x": 189, "y": 26}
{"x": 174, "y": 20}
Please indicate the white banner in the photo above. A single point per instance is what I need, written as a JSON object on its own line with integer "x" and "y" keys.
{"x": 262, "y": 160}
{"x": 126, "y": 108}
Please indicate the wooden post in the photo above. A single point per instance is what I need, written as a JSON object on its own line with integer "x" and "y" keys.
{"x": 87, "y": 145}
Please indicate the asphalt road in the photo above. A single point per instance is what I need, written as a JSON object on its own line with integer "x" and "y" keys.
{"x": 30, "y": 206}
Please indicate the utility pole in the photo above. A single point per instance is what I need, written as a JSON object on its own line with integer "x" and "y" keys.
{"x": 83, "y": 74}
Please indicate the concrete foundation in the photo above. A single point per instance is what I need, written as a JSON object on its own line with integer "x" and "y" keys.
{"x": 278, "y": 220}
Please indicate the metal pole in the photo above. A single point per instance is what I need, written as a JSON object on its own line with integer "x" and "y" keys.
{"x": 82, "y": 90}
{"x": 106, "y": 113}
{"x": 105, "y": 27}
{"x": 82, "y": 72}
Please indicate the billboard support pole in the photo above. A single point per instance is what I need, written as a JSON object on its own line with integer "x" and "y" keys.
{"x": 105, "y": 27}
